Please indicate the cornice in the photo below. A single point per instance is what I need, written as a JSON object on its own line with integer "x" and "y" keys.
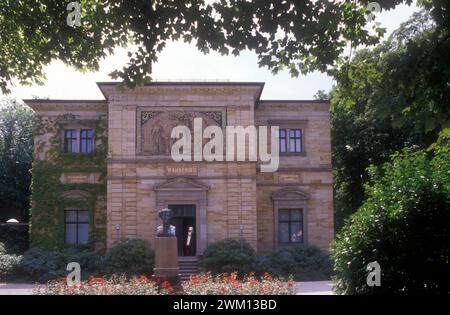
{"x": 66, "y": 105}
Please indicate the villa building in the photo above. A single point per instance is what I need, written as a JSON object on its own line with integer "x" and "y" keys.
{"x": 103, "y": 168}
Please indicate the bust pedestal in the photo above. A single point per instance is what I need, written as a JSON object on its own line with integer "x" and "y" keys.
{"x": 166, "y": 264}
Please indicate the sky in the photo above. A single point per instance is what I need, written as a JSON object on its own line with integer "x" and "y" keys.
{"x": 182, "y": 61}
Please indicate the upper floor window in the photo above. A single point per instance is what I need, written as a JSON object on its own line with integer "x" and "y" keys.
{"x": 78, "y": 141}
{"x": 70, "y": 141}
{"x": 290, "y": 225}
{"x": 86, "y": 140}
{"x": 283, "y": 141}
{"x": 295, "y": 138}
{"x": 76, "y": 226}
{"x": 290, "y": 140}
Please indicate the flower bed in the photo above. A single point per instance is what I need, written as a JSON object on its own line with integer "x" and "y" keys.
{"x": 201, "y": 284}
{"x": 115, "y": 285}
{"x": 226, "y": 284}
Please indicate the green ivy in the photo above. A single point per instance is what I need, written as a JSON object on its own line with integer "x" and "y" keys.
{"x": 47, "y": 205}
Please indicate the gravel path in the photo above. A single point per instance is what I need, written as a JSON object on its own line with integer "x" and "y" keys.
{"x": 315, "y": 288}
{"x": 16, "y": 288}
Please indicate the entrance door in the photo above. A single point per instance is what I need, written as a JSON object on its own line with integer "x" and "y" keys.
{"x": 184, "y": 221}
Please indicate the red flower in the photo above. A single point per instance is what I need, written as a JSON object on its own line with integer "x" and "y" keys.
{"x": 144, "y": 278}
{"x": 98, "y": 280}
{"x": 237, "y": 285}
{"x": 253, "y": 282}
{"x": 170, "y": 290}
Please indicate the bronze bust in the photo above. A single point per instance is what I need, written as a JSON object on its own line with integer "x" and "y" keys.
{"x": 165, "y": 229}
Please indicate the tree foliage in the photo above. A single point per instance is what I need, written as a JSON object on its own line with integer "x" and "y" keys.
{"x": 16, "y": 153}
{"x": 302, "y": 36}
{"x": 361, "y": 139}
{"x": 405, "y": 79}
{"x": 385, "y": 99}
{"x": 404, "y": 226}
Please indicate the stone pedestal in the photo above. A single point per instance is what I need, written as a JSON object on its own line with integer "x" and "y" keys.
{"x": 166, "y": 264}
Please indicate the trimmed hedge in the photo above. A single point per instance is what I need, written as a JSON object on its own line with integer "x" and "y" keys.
{"x": 131, "y": 257}
{"x": 226, "y": 256}
{"x": 302, "y": 262}
{"x": 42, "y": 264}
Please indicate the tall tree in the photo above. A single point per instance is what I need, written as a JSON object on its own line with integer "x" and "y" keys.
{"x": 16, "y": 152}
{"x": 300, "y": 35}
{"x": 393, "y": 96}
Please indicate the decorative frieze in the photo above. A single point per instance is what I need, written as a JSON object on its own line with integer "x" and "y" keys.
{"x": 147, "y": 115}
{"x": 215, "y": 116}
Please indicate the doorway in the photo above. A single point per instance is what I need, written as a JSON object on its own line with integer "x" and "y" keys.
{"x": 185, "y": 228}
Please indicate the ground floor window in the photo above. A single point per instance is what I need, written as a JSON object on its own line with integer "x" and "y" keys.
{"x": 76, "y": 226}
{"x": 290, "y": 226}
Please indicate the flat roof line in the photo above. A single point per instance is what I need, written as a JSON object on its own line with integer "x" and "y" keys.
{"x": 294, "y": 101}
{"x": 212, "y": 83}
{"x": 37, "y": 100}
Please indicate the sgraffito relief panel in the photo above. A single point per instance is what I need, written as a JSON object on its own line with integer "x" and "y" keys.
{"x": 155, "y": 126}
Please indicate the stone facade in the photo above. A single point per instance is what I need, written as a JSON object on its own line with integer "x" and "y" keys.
{"x": 230, "y": 199}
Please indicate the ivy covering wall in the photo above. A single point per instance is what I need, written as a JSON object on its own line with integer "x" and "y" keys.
{"x": 51, "y": 196}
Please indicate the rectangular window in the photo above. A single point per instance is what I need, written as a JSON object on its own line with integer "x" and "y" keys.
{"x": 70, "y": 141}
{"x": 283, "y": 141}
{"x": 76, "y": 226}
{"x": 295, "y": 140}
{"x": 290, "y": 140}
{"x": 290, "y": 226}
{"x": 86, "y": 140}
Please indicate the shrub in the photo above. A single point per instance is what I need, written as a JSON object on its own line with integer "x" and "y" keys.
{"x": 303, "y": 262}
{"x": 2, "y": 249}
{"x": 131, "y": 257}
{"x": 404, "y": 225}
{"x": 14, "y": 237}
{"x": 226, "y": 256}
{"x": 42, "y": 264}
{"x": 8, "y": 266}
